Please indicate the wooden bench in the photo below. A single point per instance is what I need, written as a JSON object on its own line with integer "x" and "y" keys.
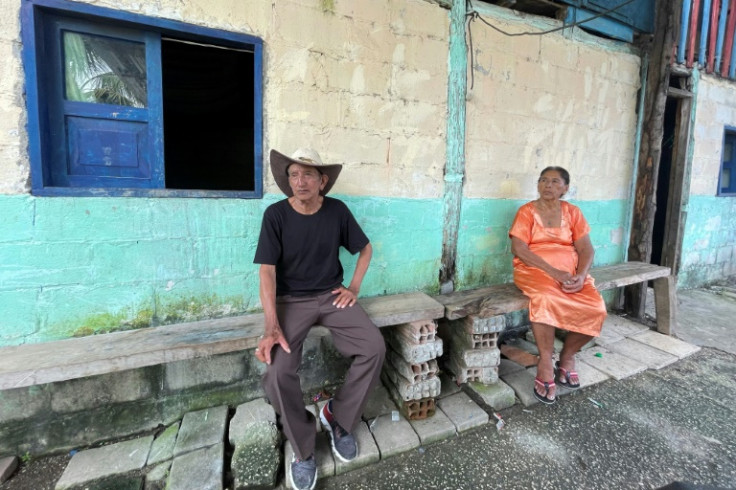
{"x": 505, "y": 298}
{"x": 48, "y": 362}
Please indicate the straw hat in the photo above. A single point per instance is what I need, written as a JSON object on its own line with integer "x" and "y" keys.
{"x": 303, "y": 156}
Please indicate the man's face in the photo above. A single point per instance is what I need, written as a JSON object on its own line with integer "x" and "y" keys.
{"x": 305, "y": 181}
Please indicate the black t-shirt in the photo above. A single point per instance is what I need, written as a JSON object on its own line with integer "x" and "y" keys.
{"x": 305, "y": 248}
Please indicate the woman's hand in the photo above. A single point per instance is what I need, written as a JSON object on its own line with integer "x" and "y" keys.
{"x": 573, "y": 284}
{"x": 344, "y": 297}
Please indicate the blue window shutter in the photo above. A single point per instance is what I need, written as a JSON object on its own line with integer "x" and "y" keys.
{"x": 96, "y": 144}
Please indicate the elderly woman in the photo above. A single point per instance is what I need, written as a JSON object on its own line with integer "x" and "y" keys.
{"x": 552, "y": 255}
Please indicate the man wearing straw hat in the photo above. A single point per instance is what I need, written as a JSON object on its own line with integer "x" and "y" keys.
{"x": 301, "y": 284}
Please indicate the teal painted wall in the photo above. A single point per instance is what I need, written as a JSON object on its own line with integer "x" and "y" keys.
{"x": 77, "y": 266}
{"x": 709, "y": 241}
{"x": 484, "y": 249}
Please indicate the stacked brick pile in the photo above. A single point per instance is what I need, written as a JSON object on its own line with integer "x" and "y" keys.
{"x": 473, "y": 353}
{"x": 410, "y": 372}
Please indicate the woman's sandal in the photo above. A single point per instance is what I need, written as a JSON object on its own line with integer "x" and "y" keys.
{"x": 563, "y": 377}
{"x": 547, "y": 385}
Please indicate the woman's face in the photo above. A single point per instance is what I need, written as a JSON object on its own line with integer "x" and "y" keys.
{"x": 551, "y": 185}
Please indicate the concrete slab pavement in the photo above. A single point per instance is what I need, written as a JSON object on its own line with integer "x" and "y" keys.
{"x": 653, "y": 358}
{"x": 655, "y": 428}
{"x": 113, "y": 465}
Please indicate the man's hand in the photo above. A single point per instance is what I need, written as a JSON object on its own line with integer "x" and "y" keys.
{"x": 267, "y": 342}
{"x": 344, "y": 297}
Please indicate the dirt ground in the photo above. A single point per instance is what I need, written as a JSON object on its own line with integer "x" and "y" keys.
{"x": 38, "y": 474}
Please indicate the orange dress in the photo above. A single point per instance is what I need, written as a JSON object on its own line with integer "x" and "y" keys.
{"x": 581, "y": 312}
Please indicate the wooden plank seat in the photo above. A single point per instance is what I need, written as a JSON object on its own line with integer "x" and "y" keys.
{"x": 505, "y": 298}
{"x": 48, "y": 362}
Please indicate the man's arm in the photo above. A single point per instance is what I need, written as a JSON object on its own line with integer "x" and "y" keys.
{"x": 272, "y": 334}
{"x": 348, "y": 296}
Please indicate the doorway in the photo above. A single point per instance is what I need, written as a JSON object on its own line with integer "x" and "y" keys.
{"x": 669, "y": 218}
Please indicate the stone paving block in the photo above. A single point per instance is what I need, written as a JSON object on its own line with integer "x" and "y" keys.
{"x": 623, "y": 326}
{"x": 522, "y": 382}
{"x": 608, "y": 336}
{"x": 415, "y": 353}
{"x": 462, "y": 411}
{"x": 498, "y": 395}
{"x": 412, "y": 391}
{"x": 653, "y": 358}
{"x": 322, "y": 453}
{"x": 588, "y": 374}
{"x": 615, "y": 365}
{"x": 379, "y": 403}
{"x": 257, "y": 456}
{"x": 449, "y": 385}
{"x": 665, "y": 343}
{"x": 156, "y": 477}
{"x": 201, "y": 429}
{"x": 7, "y": 467}
{"x": 506, "y": 366}
{"x": 394, "y": 437}
{"x": 434, "y": 428}
{"x": 254, "y": 411}
{"x": 558, "y": 344}
{"x": 367, "y": 451}
{"x": 200, "y": 469}
{"x": 519, "y": 356}
{"x": 415, "y": 373}
{"x": 162, "y": 448}
{"x": 110, "y": 464}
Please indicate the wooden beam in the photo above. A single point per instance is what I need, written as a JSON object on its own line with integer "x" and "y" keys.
{"x": 660, "y": 48}
{"x": 665, "y": 301}
{"x": 679, "y": 93}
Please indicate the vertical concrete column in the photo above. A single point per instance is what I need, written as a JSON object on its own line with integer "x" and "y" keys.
{"x": 455, "y": 164}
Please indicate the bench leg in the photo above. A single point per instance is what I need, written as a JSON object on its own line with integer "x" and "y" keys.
{"x": 665, "y": 302}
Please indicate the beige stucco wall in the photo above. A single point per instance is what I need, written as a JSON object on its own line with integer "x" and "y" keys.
{"x": 716, "y": 108}
{"x": 565, "y": 98}
{"x": 363, "y": 82}
{"x": 14, "y": 168}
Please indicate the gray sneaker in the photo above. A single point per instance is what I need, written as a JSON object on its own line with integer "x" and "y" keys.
{"x": 303, "y": 473}
{"x": 343, "y": 443}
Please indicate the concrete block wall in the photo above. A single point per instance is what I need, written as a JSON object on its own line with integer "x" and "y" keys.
{"x": 567, "y": 99}
{"x": 61, "y": 416}
{"x": 410, "y": 371}
{"x": 473, "y": 354}
{"x": 709, "y": 243}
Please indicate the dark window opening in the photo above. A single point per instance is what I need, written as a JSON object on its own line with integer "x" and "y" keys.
{"x": 727, "y": 177}
{"x": 208, "y": 123}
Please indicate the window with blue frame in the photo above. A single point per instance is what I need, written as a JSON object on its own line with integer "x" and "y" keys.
{"x": 123, "y": 104}
{"x": 727, "y": 178}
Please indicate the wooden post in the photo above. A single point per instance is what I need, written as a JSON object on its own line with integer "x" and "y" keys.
{"x": 455, "y": 165}
{"x": 665, "y": 301}
{"x": 660, "y": 47}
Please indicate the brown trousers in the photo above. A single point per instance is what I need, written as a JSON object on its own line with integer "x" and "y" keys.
{"x": 354, "y": 335}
